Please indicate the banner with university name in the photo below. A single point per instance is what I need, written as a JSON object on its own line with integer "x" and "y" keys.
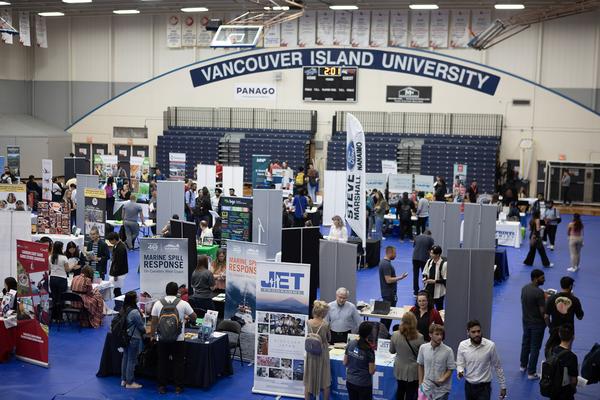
{"x": 419, "y": 29}
{"x": 307, "y": 29}
{"x": 13, "y": 197}
{"x": 380, "y": 26}
{"x": 325, "y": 28}
{"x": 399, "y": 28}
{"x": 282, "y": 296}
{"x": 33, "y": 297}
{"x": 356, "y": 160}
{"x": 162, "y": 260}
{"x": 24, "y": 29}
{"x": 240, "y": 298}
{"x": 361, "y": 27}
{"x": 289, "y": 33}
{"x": 95, "y": 211}
{"x": 438, "y": 29}
{"x": 459, "y": 29}
{"x": 343, "y": 28}
{"x": 173, "y": 23}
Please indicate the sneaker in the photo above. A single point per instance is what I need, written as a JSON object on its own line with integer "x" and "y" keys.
{"x": 550, "y": 265}
{"x": 133, "y": 386}
{"x": 533, "y": 377}
{"x": 572, "y": 269}
{"x": 123, "y": 383}
{"x": 544, "y": 242}
{"x": 522, "y": 369}
{"x": 552, "y": 247}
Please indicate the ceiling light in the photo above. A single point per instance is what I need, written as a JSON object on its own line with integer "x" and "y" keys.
{"x": 4, "y": 3}
{"x": 343, "y": 7}
{"x": 51, "y": 14}
{"x": 280, "y": 8}
{"x": 423, "y": 6}
{"x": 194, "y": 9}
{"x": 122, "y": 12}
{"x": 509, "y": 6}
{"x": 76, "y": 1}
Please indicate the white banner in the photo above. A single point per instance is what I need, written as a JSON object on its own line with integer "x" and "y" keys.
{"x": 188, "y": 36}
{"x": 361, "y": 27}
{"x": 480, "y": 19}
{"x": 162, "y": 260}
{"x": 233, "y": 177}
{"x": 325, "y": 28}
{"x": 438, "y": 29}
{"x": 173, "y": 31}
{"x": 47, "y": 180}
{"x": 424, "y": 183}
{"x": 399, "y": 28}
{"x": 307, "y": 29}
{"x": 241, "y": 281}
{"x": 342, "y": 28}
{"x": 289, "y": 33}
{"x": 41, "y": 33}
{"x": 333, "y": 204}
{"x": 419, "y": 29}
{"x": 254, "y": 91}
{"x": 206, "y": 175}
{"x": 389, "y": 167}
{"x": 203, "y": 37}
{"x": 24, "y": 29}
{"x": 459, "y": 29}
{"x": 400, "y": 183}
{"x": 356, "y": 160}
{"x": 272, "y": 36}
{"x": 376, "y": 180}
{"x": 282, "y": 295}
{"x": 380, "y": 28}
{"x": 7, "y": 16}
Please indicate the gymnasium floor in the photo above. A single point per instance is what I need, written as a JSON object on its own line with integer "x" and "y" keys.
{"x": 74, "y": 355}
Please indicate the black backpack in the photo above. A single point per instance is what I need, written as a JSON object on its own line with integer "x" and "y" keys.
{"x": 590, "y": 368}
{"x": 118, "y": 327}
{"x": 169, "y": 323}
{"x": 552, "y": 374}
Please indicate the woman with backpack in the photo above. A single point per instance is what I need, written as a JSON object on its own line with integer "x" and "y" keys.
{"x": 359, "y": 359}
{"x": 317, "y": 371}
{"x": 135, "y": 332}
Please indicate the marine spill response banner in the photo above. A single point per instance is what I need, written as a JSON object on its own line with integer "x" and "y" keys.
{"x": 282, "y": 293}
{"x": 95, "y": 211}
{"x": 162, "y": 260}
{"x": 33, "y": 296}
{"x": 356, "y": 166}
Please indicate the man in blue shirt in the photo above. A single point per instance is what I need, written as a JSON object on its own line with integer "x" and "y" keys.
{"x": 388, "y": 280}
{"x": 343, "y": 317}
{"x": 300, "y": 205}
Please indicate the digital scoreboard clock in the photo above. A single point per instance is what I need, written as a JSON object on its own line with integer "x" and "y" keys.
{"x": 329, "y": 83}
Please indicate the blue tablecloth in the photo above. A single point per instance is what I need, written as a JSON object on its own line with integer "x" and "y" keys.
{"x": 384, "y": 382}
{"x": 501, "y": 273}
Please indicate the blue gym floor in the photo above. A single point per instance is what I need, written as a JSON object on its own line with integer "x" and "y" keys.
{"x": 74, "y": 356}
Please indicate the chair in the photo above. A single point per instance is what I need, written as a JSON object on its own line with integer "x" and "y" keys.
{"x": 70, "y": 310}
{"x": 235, "y": 328}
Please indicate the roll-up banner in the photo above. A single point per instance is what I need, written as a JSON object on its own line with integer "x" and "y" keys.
{"x": 105, "y": 166}
{"x": 33, "y": 297}
{"x": 282, "y": 293}
{"x": 240, "y": 291}
{"x": 13, "y": 160}
{"x": 459, "y": 185}
{"x": 47, "y": 180}
{"x": 356, "y": 163}
{"x": 260, "y": 163}
{"x": 95, "y": 211}
{"x": 176, "y": 166}
{"x": 139, "y": 170}
{"x": 424, "y": 183}
{"x": 236, "y": 218}
{"x": 162, "y": 260}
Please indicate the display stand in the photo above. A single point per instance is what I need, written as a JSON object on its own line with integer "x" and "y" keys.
{"x": 75, "y": 166}
{"x": 233, "y": 177}
{"x": 333, "y": 202}
{"x": 16, "y": 225}
{"x": 480, "y": 226}
{"x": 207, "y": 176}
{"x": 336, "y": 262}
{"x": 266, "y": 219}
{"x": 83, "y": 182}
{"x": 169, "y": 201}
{"x": 444, "y": 224}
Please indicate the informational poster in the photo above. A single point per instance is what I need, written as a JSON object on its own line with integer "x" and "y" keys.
{"x": 173, "y": 31}
{"x": 424, "y": 183}
{"x": 240, "y": 303}
{"x": 325, "y": 28}
{"x": 399, "y": 28}
{"x": 356, "y": 164}
{"x": 398, "y": 184}
{"x": 13, "y": 197}
{"x": 236, "y": 218}
{"x": 260, "y": 163}
{"x": 376, "y": 180}
{"x": 438, "y": 29}
{"x": 361, "y": 27}
{"x": 282, "y": 296}
{"x": 162, "y": 260}
{"x": 389, "y": 167}
{"x": 47, "y": 180}
{"x": 13, "y": 160}
{"x": 459, "y": 174}
{"x": 188, "y": 34}
{"x": 24, "y": 29}
{"x": 272, "y": 35}
{"x": 343, "y": 28}
{"x": 33, "y": 295}
{"x": 480, "y": 20}
{"x": 459, "y": 28}
{"x": 41, "y": 33}
{"x": 380, "y": 28}
{"x": 419, "y": 29}
{"x": 408, "y": 94}
{"x": 176, "y": 166}
{"x": 307, "y": 29}
{"x": 95, "y": 211}
{"x": 53, "y": 218}
{"x": 7, "y": 16}
{"x": 203, "y": 37}
{"x": 105, "y": 166}
{"x": 139, "y": 169}
{"x": 289, "y": 33}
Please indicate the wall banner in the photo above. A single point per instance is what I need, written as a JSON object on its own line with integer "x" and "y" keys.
{"x": 408, "y": 94}
{"x": 380, "y": 28}
{"x": 24, "y": 29}
{"x": 419, "y": 29}
{"x": 438, "y": 29}
{"x": 41, "y": 32}
{"x": 188, "y": 34}
{"x": 342, "y": 28}
{"x": 272, "y": 36}
{"x": 307, "y": 28}
{"x": 162, "y": 260}
{"x": 289, "y": 33}
{"x": 7, "y": 16}
{"x": 282, "y": 292}
{"x": 361, "y": 28}
{"x": 95, "y": 211}
{"x": 173, "y": 31}
{"x": 459, "y": 29}
{"x": 325, "y": 27}
{"x": 399, "y": 28}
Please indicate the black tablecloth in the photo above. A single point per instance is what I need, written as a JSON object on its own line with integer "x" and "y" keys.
{"x": 501, "y": 272}
{"x": 373, "y": 253}
{"x": 204, "y": 362}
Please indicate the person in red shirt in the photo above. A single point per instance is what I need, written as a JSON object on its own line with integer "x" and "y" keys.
{"x": 219, "y": 171}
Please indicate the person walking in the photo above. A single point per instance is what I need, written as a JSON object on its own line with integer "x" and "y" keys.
{"x": 533, "y": 309}
{"x": 422, "y": 246}
{"x": 551, "y": 219}
{"x": 136, "y": 330}
{"x": 359, "y": 359}
{"x": 388, "y": 281}
{"x": 435, "y": 365}
{"x": 535, "y": 242}
{"x": 404, "y": 212}
{"x": 381, "y": 209}
{"x": 475, "y": 358}
{"x": 119, "y": 265}
{"x": 575, "y": 233}
{"x": 130, "y": 212}
{"x": 405, "y": 344}
{"x": 565, "y": 186}
{"x": 422, "y": 213}
{"x": 434, "y": 277}
{"x": 317, "y": 371}
{"x": 568, "y": 361}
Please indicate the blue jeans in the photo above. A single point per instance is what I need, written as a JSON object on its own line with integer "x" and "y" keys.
{"x": 132, "y": 230}
{"x": 533, "y": 335}
{"x": 378, "y": 227}
{"x": 129, "y": 361}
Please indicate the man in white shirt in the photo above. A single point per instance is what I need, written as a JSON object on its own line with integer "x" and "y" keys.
{"x": 343, "y": 317}
{"x": 215, "y": 201}
{"x": 206, "y": 234}
{"x": 171, "y": 350}
{"x": 474, "y": 361}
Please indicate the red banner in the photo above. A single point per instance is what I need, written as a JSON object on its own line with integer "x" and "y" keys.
{"x": 33, "y": 295}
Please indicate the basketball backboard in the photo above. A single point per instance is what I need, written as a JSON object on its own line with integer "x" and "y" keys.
{"x": 237, "y": 36}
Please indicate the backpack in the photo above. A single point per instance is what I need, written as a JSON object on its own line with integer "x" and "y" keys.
{"x": 169, "y": 324}
{"x": 313, "y": 344}
{"x": 300, "y": 179}
{"x": 118, "y": 327}
{"x": 590, "y": 368}
{"x": 551, "y": 381}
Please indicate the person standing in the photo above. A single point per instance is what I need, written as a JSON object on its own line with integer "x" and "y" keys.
{"x": 218, "y": 171}
{"x": 535, "y": 242}
{"x": 59, "y": 269}
{"x": 533, "y": 310}
{"x": 190, "y": 202}
{"x": 170, "y": 347}
{"x": 404, "y": 212}
{"x": 381, "y": 209}
{"x": 202, "y": 208}
{"x": 110, "y": 188}
{"x": 425, "y": 314}
{"x": 359, "y": 359}
{"x": 388, "y": 281}
{"x": 405, "y": 343}
{"x": 219, "y": 270}
{"x": 313, "y": 181}
{"x": 338, "y": 231}
{"x": 561, "y": 308}
{"x": 317, "y": 371}
{"x": 136, "y": 331}
{"x": 575, "y": 233}
{"x": 568, "y": 361}
{"x": 97, "y": 253}
{"x": 434, "y": 277}
{"x": 565, "y": 185}
{"x": 158, "y": 176}
{"x": 203, "y": 284}
{"x": 422, "y": 246}
{"x": 119, "y": 265}
{"x": 473, "y": 192}
{"x": 215, "y": 201}
{"x": 130, "y": 212}
{"x": 475, "y": 358}
{"x": 300, "y": 205}
{"x": 551, "y": 219}
{"x": 440, "y": 189}
{"x": 435, "y": 365}
{"x": 343, "y": 317}
{"x": 422, "y": 212}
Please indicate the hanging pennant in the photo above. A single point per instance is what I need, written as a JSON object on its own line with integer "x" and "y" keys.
{"x": 41, "y": 33}
{"x": 6, "y": 15}
{"x": 24, "y": 29}
{"x": 188, "y": 35}
{"x": 173, "y": 31}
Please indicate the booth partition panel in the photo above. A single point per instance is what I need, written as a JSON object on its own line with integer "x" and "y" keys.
{"x": 266, "y": 219}
{"x": 83, "y": 182}
{"x": 169, "y": 201}
{"x": 444, "y": 223}
{"x": 337, "y": 269}
{"x": 479, "y": 226}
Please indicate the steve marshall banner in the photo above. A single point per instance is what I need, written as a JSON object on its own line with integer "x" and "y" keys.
{"x": 356, "y": 185}
{"x": 162, "y": 260}
{"x": 282, "y": 291}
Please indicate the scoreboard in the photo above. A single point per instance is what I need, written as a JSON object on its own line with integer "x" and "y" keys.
{"x": 329, "y": 83}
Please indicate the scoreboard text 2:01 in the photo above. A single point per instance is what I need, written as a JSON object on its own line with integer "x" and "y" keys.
{"x": 329, "y": 83}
